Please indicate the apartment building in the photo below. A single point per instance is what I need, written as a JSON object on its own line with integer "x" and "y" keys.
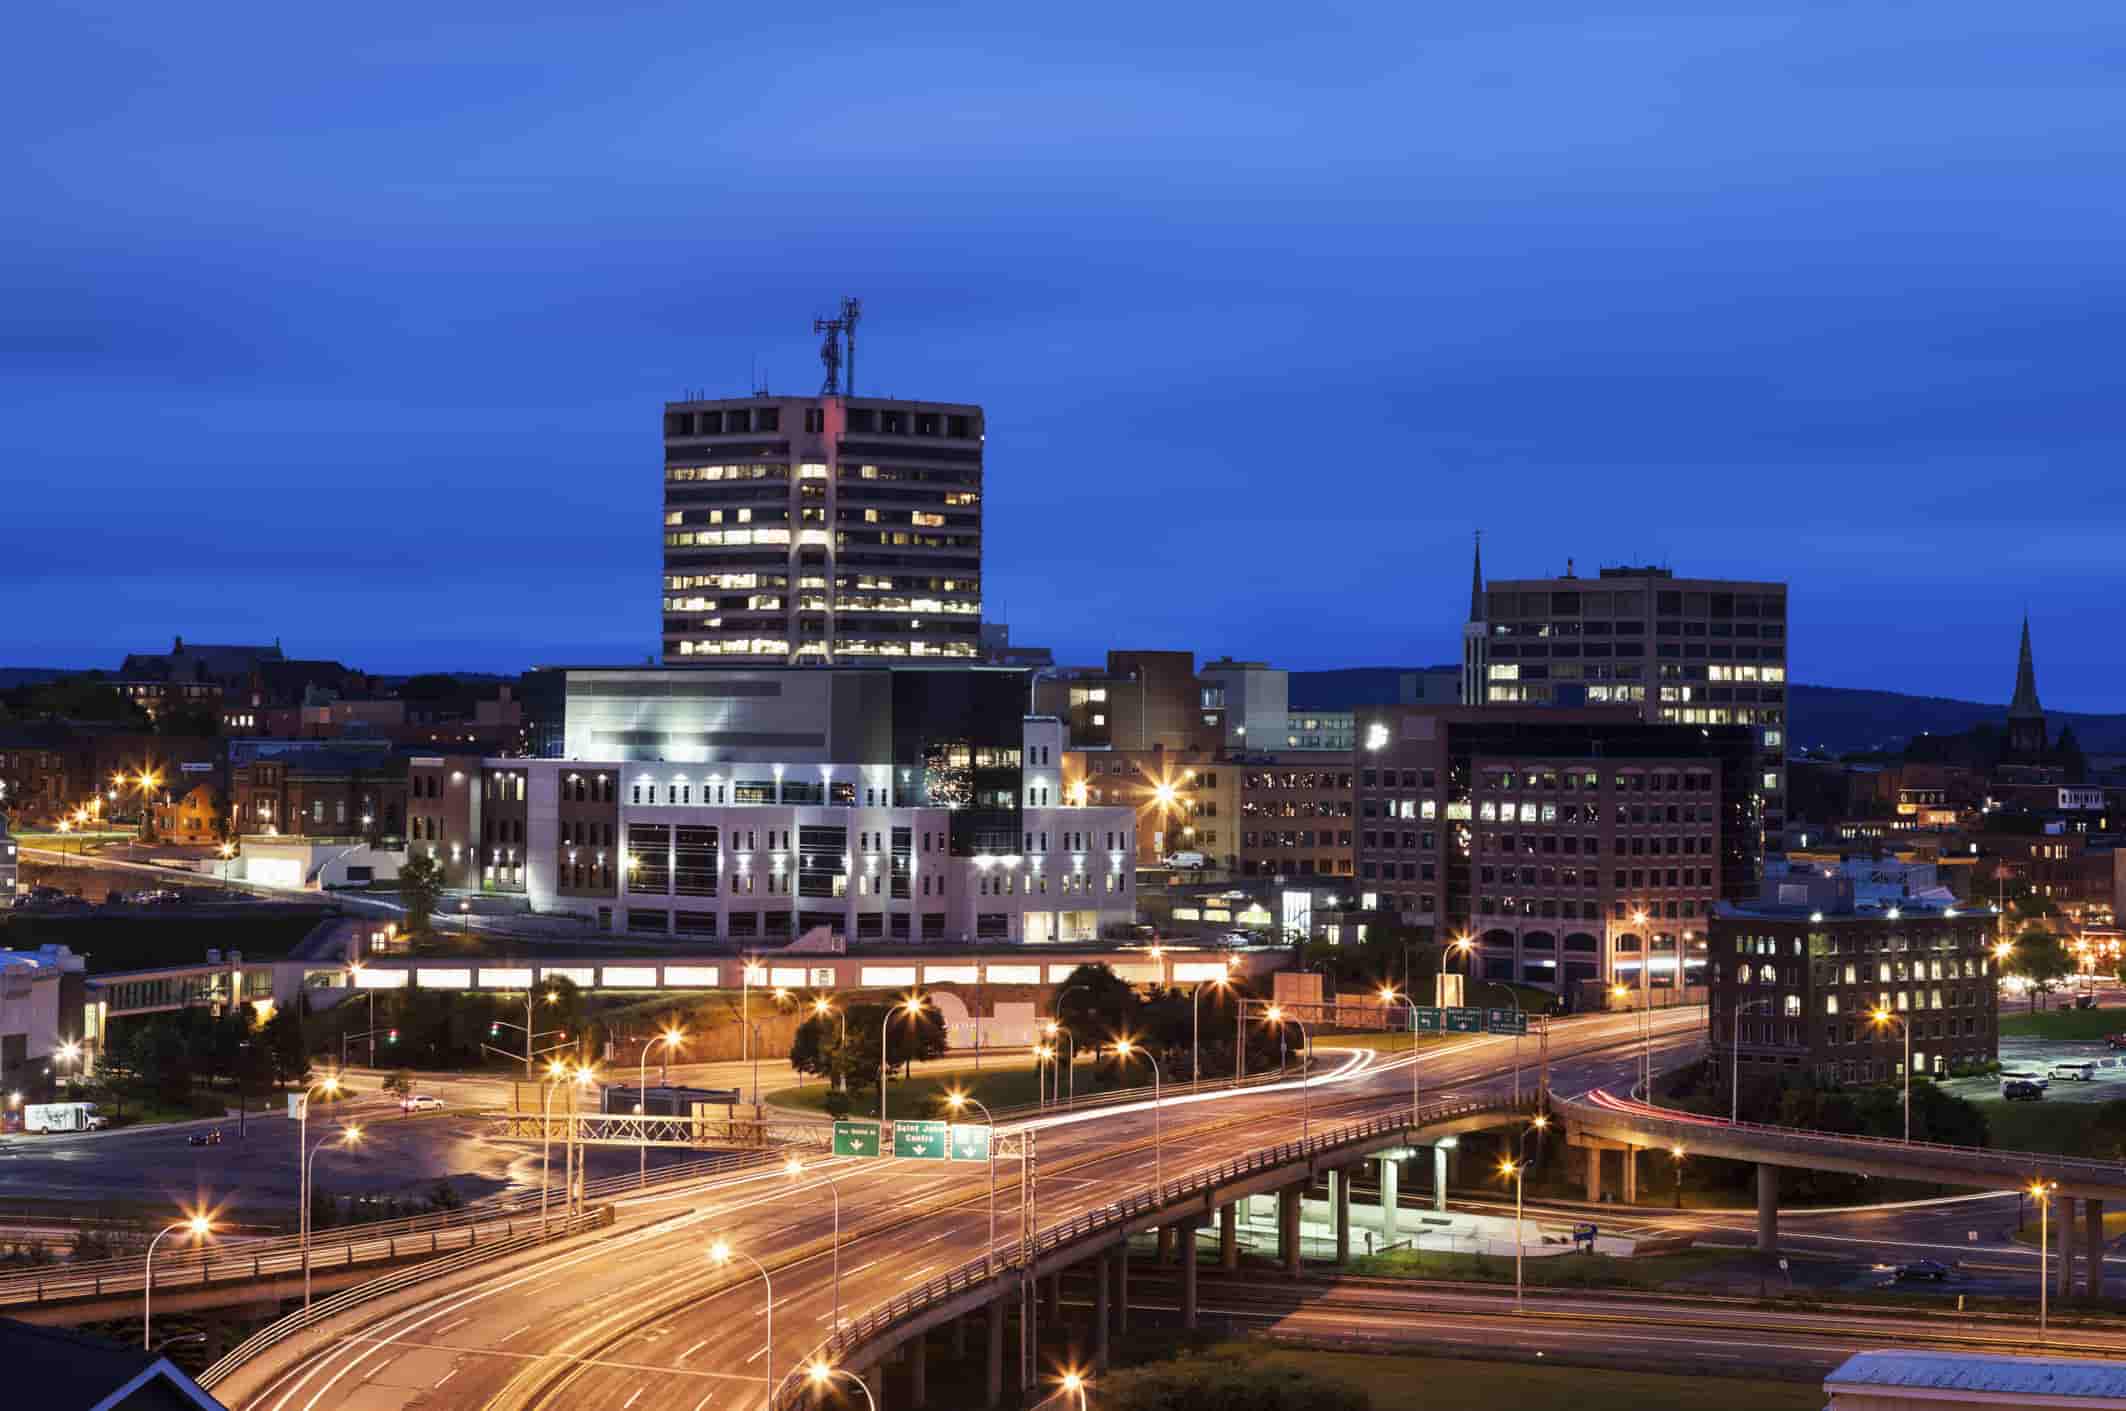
{"x": 1687, "y": 651}
{"x": 1569, "y": 844}
{"x": 883, "y": 804}
{"x": 1798, "y": 971}
{"x": 816, "y": 530}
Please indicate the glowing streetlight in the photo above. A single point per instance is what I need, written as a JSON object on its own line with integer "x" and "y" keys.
{"x": 199, "y": 1227}
{"x": 1275, "y": 1015}
{"x": 328, "y": 1085}
{"x": 796, "y": 1167}
{"x": 721, "y": 1253}
{"x": 956, "y": 1100}
{"x": 1074, "y": 1383}
{"x": 1124, "y": 1048}
{"x": 821, "y": 1375}
{"x": 2041, "y": 1191}
{"x": 671, "y": 1039}
{"x": 912, "y": 1005}
{"x": 1879, "y": 1017}
{"x": 1514, "y": 1169}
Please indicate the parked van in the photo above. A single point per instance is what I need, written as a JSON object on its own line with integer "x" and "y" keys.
{"x": 2075, "y": 1072}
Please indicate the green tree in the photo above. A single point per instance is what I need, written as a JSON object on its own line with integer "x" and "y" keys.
{"x": 283, "y": 1038}
{"x": 399, "y": 1082}
{"x": 2041, "y": 960}
{"x": 421, "y": 888}
{"x": 1097, "y": 1006}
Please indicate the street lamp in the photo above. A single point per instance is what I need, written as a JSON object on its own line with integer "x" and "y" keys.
{"x": 1513, "y": 997}
{"x": 1884, "y": 1016}
{"x": 720, "y": 1253}
{"x": 1042, "y": 1055}
{"x": 671, "y": 1039}
{"x": 328, "y": 1085}
{"x": 1646, "y": 1038}
{"x": 822, "y": 1006}
{"x": 912, "y": 1005}
{"x": 1734, "y": 1044}
{"x": 1195, "y": 1028}
{"x": 1123, "y": 1049}
{"x": 350, "y": 1136}
{"x": 796, "y": 1167}
{"x": 820, "y": 1374}
{"x": 2042, "y": 1191}
{"x": 1462, "y": 944}
{"x": 1073, "y": 1384}
{"x": 957, "y": 1100}
{"x": 1676, "y": 1154}
{"x": 1510, "y": 1167}
{"x": 199, "y": 1227}
{"x": 1276, "y": 1015}
{"x": 1056, "y": 1031}
{"x": 1388, "y": 995}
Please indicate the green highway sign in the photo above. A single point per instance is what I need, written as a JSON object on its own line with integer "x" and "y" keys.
{"x": 856, "y": 1138}
{"x": 1426, "y": 1019}
{"x": 970, "y": 1143}
{"x": 1505, "y": 1021}
{"x": 919, "y": 1141}
{"x": 1465, "y": 1021}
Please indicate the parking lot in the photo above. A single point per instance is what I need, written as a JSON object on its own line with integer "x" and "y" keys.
{"x": 2038, "y": 1056}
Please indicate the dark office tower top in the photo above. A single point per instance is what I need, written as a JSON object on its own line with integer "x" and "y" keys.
{"x": 817, "y": 530}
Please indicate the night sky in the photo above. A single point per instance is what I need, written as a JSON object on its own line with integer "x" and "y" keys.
{"x": 351, "y": 326}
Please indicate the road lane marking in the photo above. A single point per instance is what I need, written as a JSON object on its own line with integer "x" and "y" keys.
{"x": 447, "y": 1376}
{"x": 636, "y": 1397}
{"x": 448, "y": 1326}
{"x": 755, "y": 1357}
{"x": 692, "y": 1350}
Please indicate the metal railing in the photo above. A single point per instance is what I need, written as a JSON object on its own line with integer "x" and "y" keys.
{"x": 1799, "y": 1141}
{"x": 384, "y": 1241}
{"x": 280, "y": 1330}
{"x": 633, "y": 1129}
{"x": 979, "y": 1271}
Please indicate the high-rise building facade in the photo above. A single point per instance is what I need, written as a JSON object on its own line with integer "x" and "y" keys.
{"x": 815, "y": 530}
{"x": 1683, "y": 651}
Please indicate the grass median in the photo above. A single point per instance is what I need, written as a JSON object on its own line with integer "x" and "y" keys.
{"x": 2075, "y": 1024}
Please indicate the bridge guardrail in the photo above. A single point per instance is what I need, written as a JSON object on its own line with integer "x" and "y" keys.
{"x": 978, "y": 1271}
{"x": 1801, "y": 1141}
{"x": 286, "y": 1327}
{"x": 380, "y": 1242}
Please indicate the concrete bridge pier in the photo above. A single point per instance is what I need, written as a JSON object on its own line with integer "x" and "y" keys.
{"x": 1767, "y": 1207}
{"x": 1439, "y": 1174}
{"x": 1166, "y": 1245}
{"x": 1102, "y": 1277}
{"x": 1288, "y": 1229}
{"x": 1122, "y": 1289}
{"x": 2093, "y": 1217}
{"x": 1052, "y": 1300}
{"x": 959, "y": 1337}
{"x": 996, "y": 1354}
{"x": 1390, "y": 1171}
{"x": 1229, "y": 1236}
{"x": 1186, "y": 1244}
{"x": 918, "y": 1374}
{"x": 2063, "y": 1218}
{"x": 1340, "y": 1201}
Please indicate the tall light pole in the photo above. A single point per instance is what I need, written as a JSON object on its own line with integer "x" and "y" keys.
{"x": 1073, "y": 1384}
{"x": 1734, "y": 1100}
{"x": 1513, "y": 1168}
{"x": 199, "y": 1227}
{"x": 1276, "y": 1015}
{"x": 557, "y": 1073}
{"x": 1387, "y": 997}
{"x": 585, "y": 1078}
{"x": 329, "y": 1084}
{"x": 1646, "y": 1000}
{"x": 1513, "y": 997}
{"x": 1884, "y": 1016}
{"x": 1057, "y": 1032}
{"x": 1124, "y": 1048}
{"x": 1043, "y": 1054}
{"x": 1462, "y": 944}
{"x": 671, "y": 1039}
{"x": 1646, "y": 1036}
{"x": 2042, "y": 1192}
{"x": 796, "y": 1167}
{"x": 913, "y": 1004}
{"x": 956, "y": 1101}
{"x": 349, "y": 1137}
{"x": 822, "y": 1006}
{"x": 1195, "y": 1030}
{"x": 721, "y": 1253}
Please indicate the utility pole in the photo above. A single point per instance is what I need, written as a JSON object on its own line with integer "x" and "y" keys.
{"x": 852, "y": 310}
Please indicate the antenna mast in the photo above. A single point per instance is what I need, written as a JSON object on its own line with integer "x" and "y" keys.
{"x": 830, "y": 354}
{"x": 852, "y": 310}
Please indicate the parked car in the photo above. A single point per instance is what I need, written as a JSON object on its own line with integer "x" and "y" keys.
{"x": 1923, "y": 1269}
{"x": 2075, "y": 1070}
{"x": 210, "y": 1137}
{"x": 2115, "y": 1041}
{"x": 2085, "y": 1001}
{"x": 420, "y": 1102}
{"x": 2022, "y": 1090}
{"x": 2024, "y": 1075}
{"x": 1191, "y": 860}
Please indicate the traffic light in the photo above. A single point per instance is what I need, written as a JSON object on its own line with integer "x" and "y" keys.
{"x": 392, "y": 1037}
{"x": 493, "y": 1030}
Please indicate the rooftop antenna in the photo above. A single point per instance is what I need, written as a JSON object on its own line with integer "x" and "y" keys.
{"x": 830, "y": 354}
{"x": 852, "y": 310}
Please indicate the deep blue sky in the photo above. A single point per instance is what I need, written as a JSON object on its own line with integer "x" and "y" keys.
{"x": 352, "y": 327}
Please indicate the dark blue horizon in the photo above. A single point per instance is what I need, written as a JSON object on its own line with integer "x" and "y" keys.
{"x": 358, "y": 337}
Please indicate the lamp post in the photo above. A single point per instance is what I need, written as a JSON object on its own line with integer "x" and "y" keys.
{"x": 349, "y": 1136}
{"x": 1646, "y": 1002}
{"x": 822, "y": 1006}
{"x": 1124, "y": 1048}
{"x": 1514, "y": 999}
{"x": 577, "y": 1158}
{"x": 1073, "y": 1384}
{"x": 1646, "y": 1054}
{"x": 557, "y": 1073}
{"x": 956, "y": 1101}
{"x": 199, "y": 1226}
{"x": 2041, "y": 1191}
{"x": 1276, "y": 1015}
{"x": 1884, "y": 1016}
{"x": 721, "y": 1253}
{"x": 1195, "y": 1030}
{"x": 671, "y": 1039}
{"x": 1510, "y": 1167}
{"x": 913, "y": 1004}
{"x": 1057, "y": 1032}
{"x": 820, "y": 1374}
{"x": 796, "y": 1167}
{"x": 1464, "y": 945}
{"x": 1676, "y": 1154}
{"x": 1734, "y": 1035}
{"x": 328, "y": 1085}
{"x": 1056, "y": 1026}
{"x": 1042, "y": 1055}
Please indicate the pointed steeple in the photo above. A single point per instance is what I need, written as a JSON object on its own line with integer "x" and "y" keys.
{"x": 1476, "y": 581}
{"x": 2024, "y": 704}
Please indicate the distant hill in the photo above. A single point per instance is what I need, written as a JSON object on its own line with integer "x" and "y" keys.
{"x": 13, "y": 676}
{"x": 1836, "y": 718}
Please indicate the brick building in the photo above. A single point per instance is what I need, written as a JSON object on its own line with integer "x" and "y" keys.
{"x": 339, "y": 789}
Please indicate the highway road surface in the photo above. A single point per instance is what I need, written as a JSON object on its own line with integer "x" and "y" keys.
{"x": 641, "y": 1319}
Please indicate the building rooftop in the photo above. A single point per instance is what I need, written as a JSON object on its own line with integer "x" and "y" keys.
{"x": 59, "y": 1367}
{"x": 2018, "y": 1377}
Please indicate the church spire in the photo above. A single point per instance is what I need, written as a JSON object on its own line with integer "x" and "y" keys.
{"x": 1476, "y": 581}
{"x": 2024, "y": 704}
